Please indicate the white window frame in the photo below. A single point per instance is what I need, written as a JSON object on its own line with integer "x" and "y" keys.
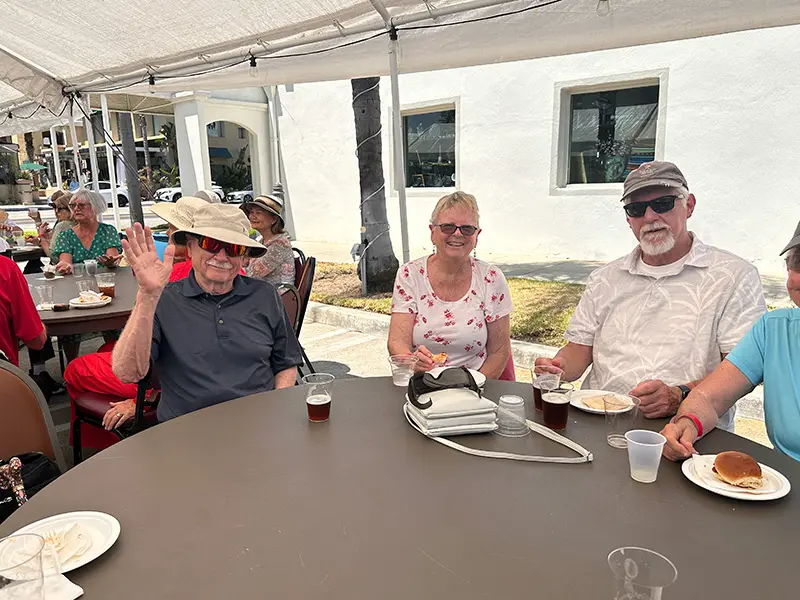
{"x": 564, "y": 90}
{"x": 421, "y": 108}
{"x": 220, "y": 129}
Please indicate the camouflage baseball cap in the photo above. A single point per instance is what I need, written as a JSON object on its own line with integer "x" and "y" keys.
{"x": 651, "y": 174}
{"x": 794, "y": 242}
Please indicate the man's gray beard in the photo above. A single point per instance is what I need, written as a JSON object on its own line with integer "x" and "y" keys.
{"x": 657, "y": 248}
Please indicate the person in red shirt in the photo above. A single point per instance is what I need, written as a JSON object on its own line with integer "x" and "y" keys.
{"x": 19, "y": 319}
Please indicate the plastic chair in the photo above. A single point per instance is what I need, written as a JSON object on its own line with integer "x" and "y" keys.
{"x": 25, "y": 421}
{"x": 90, "y": 409}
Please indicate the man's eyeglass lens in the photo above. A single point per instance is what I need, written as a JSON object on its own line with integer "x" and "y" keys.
{"x": 660, "y": 205}
{"x": 214, "y": 246}
{"x": 450, "y": 228}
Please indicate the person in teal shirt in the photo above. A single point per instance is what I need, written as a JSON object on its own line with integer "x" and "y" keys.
{"x": 89, "y": 238}
{"x": 770, "y": 354}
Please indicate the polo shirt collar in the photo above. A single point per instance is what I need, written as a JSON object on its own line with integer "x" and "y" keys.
{"x": 698, "y": 257}
{"x": 191, "y": 288}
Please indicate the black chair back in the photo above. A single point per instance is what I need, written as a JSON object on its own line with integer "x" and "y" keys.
{"x": 291, "y": 302}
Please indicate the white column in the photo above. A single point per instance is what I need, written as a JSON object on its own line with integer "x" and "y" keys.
{"x": 76, "y": 156}
{"x": 192, "y": 138}
{"x": 397, "y": 139}
{"x": 112, "y": 176}
{"x": 56, "y": 160}
{"x": 90, "y": 140}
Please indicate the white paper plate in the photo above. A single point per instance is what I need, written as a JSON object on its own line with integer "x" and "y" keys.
{"x": 479, "y": 377}
{"x": 577, "y": 395}
{"x": 76, "y": 303}
{"x": 774, "y": 479}
{"x": 103, "y": 527}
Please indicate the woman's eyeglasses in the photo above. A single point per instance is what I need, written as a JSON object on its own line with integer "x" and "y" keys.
{"x": 450, "y": 229}
{"x": 81, "y": 205}
{"x": 214, "y": 246}
{"x": 660, "y": 205}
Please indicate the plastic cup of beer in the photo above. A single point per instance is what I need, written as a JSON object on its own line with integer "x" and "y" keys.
{"x": 318, "y": 396}
{"x": 555, "y": 406}
{"x": 402, "y": 368}
{"x": 543, "y": 381}
{"x": 105, "y": 284}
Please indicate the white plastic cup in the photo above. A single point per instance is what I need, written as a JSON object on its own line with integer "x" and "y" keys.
{"x": 644, "y": 454}
{"x": 402, "y": 368}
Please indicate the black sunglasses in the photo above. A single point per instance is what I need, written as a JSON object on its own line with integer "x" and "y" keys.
{"x": 450, "y": 228}
{"x": 660, "y": 205}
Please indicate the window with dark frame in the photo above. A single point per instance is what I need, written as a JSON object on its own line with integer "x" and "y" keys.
{"x": 611, "y": 133}
{"x": 429, "y": 144}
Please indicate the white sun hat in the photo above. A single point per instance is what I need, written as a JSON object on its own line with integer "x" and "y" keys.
{"x": 222, "y": 222}
{"x": 180, "y": 214}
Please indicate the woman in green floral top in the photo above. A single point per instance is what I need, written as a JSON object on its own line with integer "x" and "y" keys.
{"x": 277, "y": 265}
{"x": 89, "y": 238}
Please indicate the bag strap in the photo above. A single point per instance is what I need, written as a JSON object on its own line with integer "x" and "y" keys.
{"x": 585, "y": 455}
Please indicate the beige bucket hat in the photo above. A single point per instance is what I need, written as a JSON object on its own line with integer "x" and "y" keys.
{"x": 180, "y": 214}
{"x": 222, "y": 222}
{"x": 271, "y": 203}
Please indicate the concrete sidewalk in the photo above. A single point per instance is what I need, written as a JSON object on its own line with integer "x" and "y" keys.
{"x": 518, "y": 265}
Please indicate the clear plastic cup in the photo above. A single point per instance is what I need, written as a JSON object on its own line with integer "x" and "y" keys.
{"x": 78, "y": 269}
{"x": 555, "y": 406}
{"x": 318, "y": 396}
{"x": 45, "y": 293}
{"x": 640, "y": 574}
{"x": 511, "y": 417}
{"x": 402, "y": 368}
{"x": 106, "y": 284}
{"x": 543, "y": 382}
{"x": 644, "y": 454}
{"x": 619, "y": 422}
{"x": 91, "y": 267}
{"x": 22, "y": 569}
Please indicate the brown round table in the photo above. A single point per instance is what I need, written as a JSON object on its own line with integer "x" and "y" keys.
{"x": 248, "y": 499}
{"x": 76, "y": 320}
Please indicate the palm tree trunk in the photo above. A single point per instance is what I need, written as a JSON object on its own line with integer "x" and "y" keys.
{"x": 131, "y": 170}
{"x": 380, "y": 264}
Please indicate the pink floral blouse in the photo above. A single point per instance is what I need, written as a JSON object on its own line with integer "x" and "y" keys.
{"x": 277, "y": 265}
{"x": 457, "y": 328}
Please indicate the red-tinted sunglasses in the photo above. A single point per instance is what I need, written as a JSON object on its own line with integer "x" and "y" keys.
{"x": 214, "y": 246}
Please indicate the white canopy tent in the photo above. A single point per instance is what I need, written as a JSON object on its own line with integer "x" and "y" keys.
{"x": 178, "y": 45}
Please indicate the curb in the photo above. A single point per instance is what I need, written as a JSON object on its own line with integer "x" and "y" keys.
{"x": 525, "y": 353}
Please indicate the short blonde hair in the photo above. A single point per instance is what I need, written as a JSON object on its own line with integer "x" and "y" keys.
{"x": 453, "y": 200}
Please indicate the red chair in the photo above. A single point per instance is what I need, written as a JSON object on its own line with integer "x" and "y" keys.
{"x": 305, "y": 282}
{"x": 291, "y": 302}
{"x": 89, "y": 409}
{"x": 299, "y": 264}
{"x": 508, "y": 373}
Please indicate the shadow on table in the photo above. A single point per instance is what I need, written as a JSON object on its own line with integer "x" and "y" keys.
{"x": 337, "y": 369}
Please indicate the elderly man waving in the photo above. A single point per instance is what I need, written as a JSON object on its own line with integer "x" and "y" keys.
{"x": 654, "y": 323}
{"x": 213, "y": 336}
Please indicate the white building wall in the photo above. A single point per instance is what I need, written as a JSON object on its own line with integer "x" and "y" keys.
{"x": 730, "y": 120}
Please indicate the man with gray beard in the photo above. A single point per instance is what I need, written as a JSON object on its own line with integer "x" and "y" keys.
{"x": 654, "y": 323}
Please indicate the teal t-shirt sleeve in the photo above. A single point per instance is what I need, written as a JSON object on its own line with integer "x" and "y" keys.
{"x": 748, "y": 355}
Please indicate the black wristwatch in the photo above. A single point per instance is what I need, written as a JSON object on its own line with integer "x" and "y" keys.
{"x": 684, "y": 391}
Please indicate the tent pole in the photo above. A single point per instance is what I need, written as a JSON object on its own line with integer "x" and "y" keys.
{"x": 397, "y": 140}
{"x": 56, "y": 160}
{"x": 112, "y": 174}
{"x": 89, "y": 129}
{"x": 76, "y": 156}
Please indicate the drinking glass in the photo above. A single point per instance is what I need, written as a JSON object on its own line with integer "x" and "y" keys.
{"x": 21, "y": 568}
{"x": 91, "y": 267}
{"x": 619, "y": 423}
{"x": 543, "y": 382}
{"x": 511, "y": 417}
{"x": 644, "y": 454}
{"x": 105, "y": 284}
{"x": 45, "y": 293}
{"x": 318, "y": 396}
{"x": 85, "y": 285}
{"x": 402, "y": 368}
{"x": 555, "y": 406}
{"x": 78, "y": 270}
{"x": 640, "y": 574}
{"x": 45, "y": 261}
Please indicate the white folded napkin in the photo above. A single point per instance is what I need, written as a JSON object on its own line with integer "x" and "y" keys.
{"x": 58, "y": 587}
{"x": 46, "y": 306}
{"x": 477, "y": 419}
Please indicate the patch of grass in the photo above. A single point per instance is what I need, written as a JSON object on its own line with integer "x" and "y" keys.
{"x": 542, "y": 309}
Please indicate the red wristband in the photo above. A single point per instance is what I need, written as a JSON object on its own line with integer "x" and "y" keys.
{"x": 696, "y": 422}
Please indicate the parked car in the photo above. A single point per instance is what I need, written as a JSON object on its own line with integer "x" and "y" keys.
{"x": 171, "y": 194}
{"x": 105, "y": 192}
{"x": 245, "y": 195}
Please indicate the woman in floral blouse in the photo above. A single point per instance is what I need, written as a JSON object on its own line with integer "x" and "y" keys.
{"x": 450, "y": 302}
{"x": 277, "y": 265}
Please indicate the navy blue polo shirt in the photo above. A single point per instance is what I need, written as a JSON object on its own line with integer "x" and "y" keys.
{"x": 209, "y": 349}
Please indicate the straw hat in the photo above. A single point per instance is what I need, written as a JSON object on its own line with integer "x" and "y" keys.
{"x": 224, "y": 223}
{"x": 179, "y": 214}
{"x": 271, "y": 203}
